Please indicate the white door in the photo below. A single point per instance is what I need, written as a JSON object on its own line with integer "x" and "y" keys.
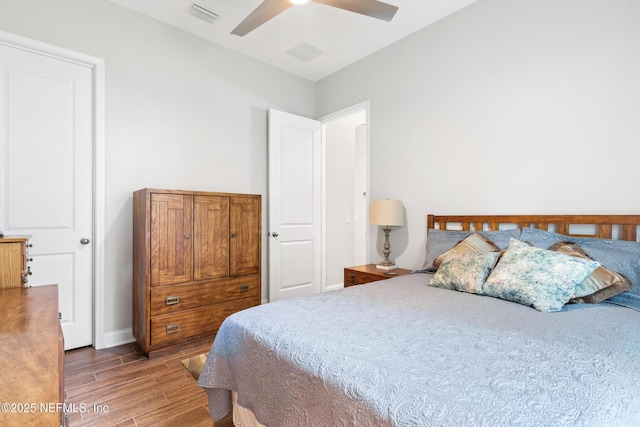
{"x": 46, "y": 173}
{"x": 295, "y": 206}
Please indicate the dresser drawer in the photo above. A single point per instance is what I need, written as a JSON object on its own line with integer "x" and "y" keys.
{"x": 176, "y": 298}
{"x": 194, "y": 323}
{"x": 14, "y": 272}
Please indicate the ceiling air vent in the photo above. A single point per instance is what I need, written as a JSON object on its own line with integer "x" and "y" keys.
{"x": 203, "y": 13}
{"x": 304, "y": 52}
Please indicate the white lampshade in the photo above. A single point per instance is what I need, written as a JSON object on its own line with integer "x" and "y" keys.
{"x": 386, "y": 212}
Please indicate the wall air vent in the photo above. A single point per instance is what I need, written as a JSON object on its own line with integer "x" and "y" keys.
{"x": 203, "y": 13}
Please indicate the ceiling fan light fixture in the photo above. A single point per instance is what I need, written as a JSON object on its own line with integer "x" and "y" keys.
{"x": 271, "y": 8}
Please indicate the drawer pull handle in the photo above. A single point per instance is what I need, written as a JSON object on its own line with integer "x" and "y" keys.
{"x": 244, "y": 288}
{"x": 173, "y": 328}
{"x": 172, "y": 300}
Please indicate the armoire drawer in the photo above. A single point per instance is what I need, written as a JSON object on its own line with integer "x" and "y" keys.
{"x": 194, "y": 323}
{"x": 175, "y": 298}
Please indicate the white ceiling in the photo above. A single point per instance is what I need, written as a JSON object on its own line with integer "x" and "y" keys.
{"x": 343, "y": 37}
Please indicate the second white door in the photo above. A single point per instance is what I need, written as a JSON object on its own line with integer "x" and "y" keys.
{"x": 295, "y": 206}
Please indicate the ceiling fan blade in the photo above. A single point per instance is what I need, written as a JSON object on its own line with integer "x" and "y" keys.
{"x": 372, "y": 8}
{"x": 267, "y": 10}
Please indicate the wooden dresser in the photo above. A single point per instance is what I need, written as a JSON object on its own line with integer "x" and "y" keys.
{"x": 196, "y": 260}
{"x": 14, "y": 272}
{"x": 32, "y": 357}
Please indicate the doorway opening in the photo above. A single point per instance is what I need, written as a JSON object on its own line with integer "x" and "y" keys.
{"x": 346, "y": 180}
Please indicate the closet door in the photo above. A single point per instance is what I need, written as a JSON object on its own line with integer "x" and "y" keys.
{"x": 246, "y": 223}
{"x": 171, "y": 244}
{"x": 211, "y": 237}
{"x": 47, "y": 139}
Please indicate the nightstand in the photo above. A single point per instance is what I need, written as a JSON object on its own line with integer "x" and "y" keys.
{"x": 362, "y": 274}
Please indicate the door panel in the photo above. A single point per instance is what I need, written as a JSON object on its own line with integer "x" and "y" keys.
{"x": 295, "y": 203}
{"x": 246, "y": 223}
{"x": 171, "y": 246}
{"x": 211, "y": 237}
{"x": 296, "y": 184}
{"x": 46, "y": 176}
{"x": 299, "y": 274}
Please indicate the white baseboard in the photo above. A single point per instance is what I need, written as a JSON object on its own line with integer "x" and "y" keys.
{"x": 334, "y": 287}
{"x": 115, "y": 338}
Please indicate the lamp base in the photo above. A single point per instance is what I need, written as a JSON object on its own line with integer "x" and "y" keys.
{"x": 386, "y": 267}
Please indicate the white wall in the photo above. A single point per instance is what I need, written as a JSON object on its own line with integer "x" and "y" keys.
{"x": 506, "y": 107}
{"x": 181, "y": 113}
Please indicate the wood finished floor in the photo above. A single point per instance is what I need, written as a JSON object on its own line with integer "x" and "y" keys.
{"x": 137, "y": 391}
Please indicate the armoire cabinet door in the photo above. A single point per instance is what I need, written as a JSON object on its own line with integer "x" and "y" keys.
{"x": 245, "y": 235}
{"x": 211, "y": 237}
{"x": 171, "y": 246}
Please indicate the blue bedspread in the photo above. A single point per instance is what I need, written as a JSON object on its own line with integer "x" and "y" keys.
{"x": 400, "y": 353}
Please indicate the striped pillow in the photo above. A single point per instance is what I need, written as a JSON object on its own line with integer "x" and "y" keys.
{"x": 600, "y": 285}
{"x": 474, "y": 243}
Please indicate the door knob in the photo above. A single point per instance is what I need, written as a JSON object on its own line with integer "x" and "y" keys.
{"x": 274, "y": 234}
{"x": 84, "y": 241}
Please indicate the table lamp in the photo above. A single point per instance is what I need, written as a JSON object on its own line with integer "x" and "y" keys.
{"x": 387, "y": 213}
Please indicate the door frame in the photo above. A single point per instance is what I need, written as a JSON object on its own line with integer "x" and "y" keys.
{"x": 366, "y": 106}
{"x": 97, "y": 67}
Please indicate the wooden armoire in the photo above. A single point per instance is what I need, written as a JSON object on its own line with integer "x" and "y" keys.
{"x": 196, "y": 260}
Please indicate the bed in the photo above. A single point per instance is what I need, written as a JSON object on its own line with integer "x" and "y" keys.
{"x": 471, "y": 338}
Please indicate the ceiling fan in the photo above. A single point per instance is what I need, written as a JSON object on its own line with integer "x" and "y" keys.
{"x": 271, "y": 8}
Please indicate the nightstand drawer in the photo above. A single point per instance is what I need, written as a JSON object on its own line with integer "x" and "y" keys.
{"x": 352, "y": 278}
{"x": 362, "y": 274}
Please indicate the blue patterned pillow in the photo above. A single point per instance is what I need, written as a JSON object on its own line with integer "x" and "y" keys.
{"x": 465, "y": 272}
{"x": 537, "y": 277}
{"x": 440, "y": 241}
{"x": 616, "y": 255}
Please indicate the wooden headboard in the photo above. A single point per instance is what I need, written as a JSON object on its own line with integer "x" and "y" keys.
{"x": 604, "y": 225}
